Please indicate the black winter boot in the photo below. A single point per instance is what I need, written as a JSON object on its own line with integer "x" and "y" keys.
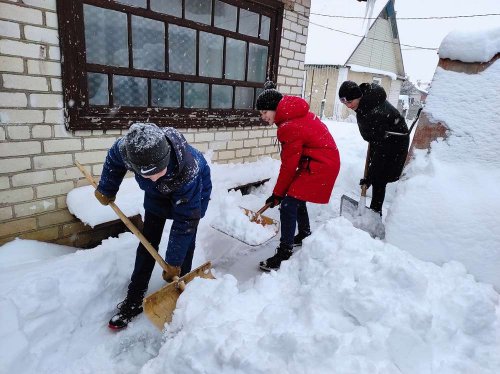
{"x": 283, "y": 252}
{"x": 297, "y": 240}
{"x": 127, "y": 310}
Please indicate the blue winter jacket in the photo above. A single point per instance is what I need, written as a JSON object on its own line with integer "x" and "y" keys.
{"x": 181, "y": 195}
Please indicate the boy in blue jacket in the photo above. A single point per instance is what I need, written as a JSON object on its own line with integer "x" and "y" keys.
{"x": 176, "y": 181}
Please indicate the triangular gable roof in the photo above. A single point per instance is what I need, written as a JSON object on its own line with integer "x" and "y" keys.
{"x": 328, "y": 47}
{"x": 376, "y": 46}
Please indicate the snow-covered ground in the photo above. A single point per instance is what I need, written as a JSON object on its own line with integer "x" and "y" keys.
{"x": 448, "y": 206}
{"x": 344, "y": 303}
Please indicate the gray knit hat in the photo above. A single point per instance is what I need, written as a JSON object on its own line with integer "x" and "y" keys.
{"x": 147, "y": 148}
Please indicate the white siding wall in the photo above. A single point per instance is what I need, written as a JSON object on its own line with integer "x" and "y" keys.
{"x": 379, "y": 54}
{"x": 393, "y": 93}
{"x": 320, "y": 81}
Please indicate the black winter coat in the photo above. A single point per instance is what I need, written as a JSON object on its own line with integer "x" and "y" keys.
{"x": 375, "y": 115}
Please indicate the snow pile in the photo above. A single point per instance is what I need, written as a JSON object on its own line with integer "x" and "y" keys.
{"x": 226, "y": 176}
{"x": 471, "y": 46}
{"x": 344, "y": 301}
{"x": 469, "y": 105}
{"x": 54, "y": 311}
{"x": 448, "y": 206}
{"x": 234, "y": 222}
{"x": 82, "y": 203}
{"x": 364, "y": 69}
{"x": 362, "y": 217}
{"x": 19, "y": 252}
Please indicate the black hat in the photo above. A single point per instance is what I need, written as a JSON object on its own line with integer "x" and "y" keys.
{"x": 269, "y": 98}
{"x": 350, "y": 90}
{"x": 147, "y": 148}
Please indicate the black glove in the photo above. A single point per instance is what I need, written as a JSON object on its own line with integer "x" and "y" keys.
{"x": 366, "y": 182}
{"x": 274, "y": 200}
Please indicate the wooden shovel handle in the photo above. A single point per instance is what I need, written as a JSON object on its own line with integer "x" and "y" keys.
{"x": 365, "y": 174}
{"x": 260, "y": 211}
{"x": 263, "y": 209}
{"x": 152, "y": 251}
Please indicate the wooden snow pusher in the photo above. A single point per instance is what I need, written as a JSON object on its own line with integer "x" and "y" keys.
{"x": 160, "y": 305}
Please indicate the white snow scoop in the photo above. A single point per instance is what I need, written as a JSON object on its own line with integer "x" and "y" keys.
{"x": 160, "y": 305}
{"x": 360, "y": 216}
{"x": 253, "y": 228}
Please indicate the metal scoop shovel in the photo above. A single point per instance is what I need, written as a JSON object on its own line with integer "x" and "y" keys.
{"x": 358, "y": 214}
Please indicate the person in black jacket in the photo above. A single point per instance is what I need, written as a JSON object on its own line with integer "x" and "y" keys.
{"x": 375, "y": 116}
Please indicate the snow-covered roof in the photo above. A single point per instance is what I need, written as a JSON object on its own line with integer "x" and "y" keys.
{"x": 421, "y": 90}
{"x": 328, "y": 47}
{"x": 364, "y": 69}
{"x": 471, "y": 46}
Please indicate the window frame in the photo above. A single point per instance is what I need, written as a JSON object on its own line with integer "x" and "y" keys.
{"x": 79, "y": 115}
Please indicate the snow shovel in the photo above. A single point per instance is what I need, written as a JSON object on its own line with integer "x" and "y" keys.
{"x": 240, "y": 230}
{"x": 257, "y": 216}
{"x": 348, "y": 206}
{"x": 160, "y": 305}
{"x": 360, "y": 216}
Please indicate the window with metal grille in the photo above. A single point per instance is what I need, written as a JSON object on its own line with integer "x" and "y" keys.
{"x": 181, "y": 63}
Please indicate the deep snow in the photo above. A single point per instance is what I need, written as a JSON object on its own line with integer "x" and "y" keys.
{"x": 344, "y": 303}
{"x": 447, "y": 206}
{"x": 471, "y": 45}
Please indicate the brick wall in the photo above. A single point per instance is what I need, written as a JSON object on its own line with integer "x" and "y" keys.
{"x": 37, "y": 153}
{"x": 293, "y": 46}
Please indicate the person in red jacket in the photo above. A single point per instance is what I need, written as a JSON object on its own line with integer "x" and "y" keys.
{"x": 310, "y": 163}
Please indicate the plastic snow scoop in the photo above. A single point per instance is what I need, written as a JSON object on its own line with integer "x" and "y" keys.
{"x": 160, "y": 305}
{"x": 360, "y": 216}
{"x": 234, "y": 230}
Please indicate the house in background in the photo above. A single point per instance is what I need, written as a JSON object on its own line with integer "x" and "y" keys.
{"x": 75, "y": 74}
{"x": 351, "y": 48}
{"x": 423, "y": 88}
{"x": 411, "y": 99}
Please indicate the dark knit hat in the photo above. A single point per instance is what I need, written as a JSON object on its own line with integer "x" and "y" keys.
{"x": 269, "y": 98}
{"x": 350, "y": 90}
{"x": 147, "y": 148}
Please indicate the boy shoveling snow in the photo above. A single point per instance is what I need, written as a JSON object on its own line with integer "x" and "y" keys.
{"x": 176, "y": 181}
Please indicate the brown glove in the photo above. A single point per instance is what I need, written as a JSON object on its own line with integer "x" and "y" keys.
{"x": 171, "y": 272}
{"x": 103, "y": 199}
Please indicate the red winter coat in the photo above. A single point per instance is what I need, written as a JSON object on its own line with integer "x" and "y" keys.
{"x": 310, "y": 160}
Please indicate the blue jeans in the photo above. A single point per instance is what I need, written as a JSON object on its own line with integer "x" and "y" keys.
{"x": 293, "y": 212}
{"x": 144, "y": 262}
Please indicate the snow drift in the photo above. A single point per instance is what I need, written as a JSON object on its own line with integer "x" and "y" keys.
{"x": 455, "y": 185}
